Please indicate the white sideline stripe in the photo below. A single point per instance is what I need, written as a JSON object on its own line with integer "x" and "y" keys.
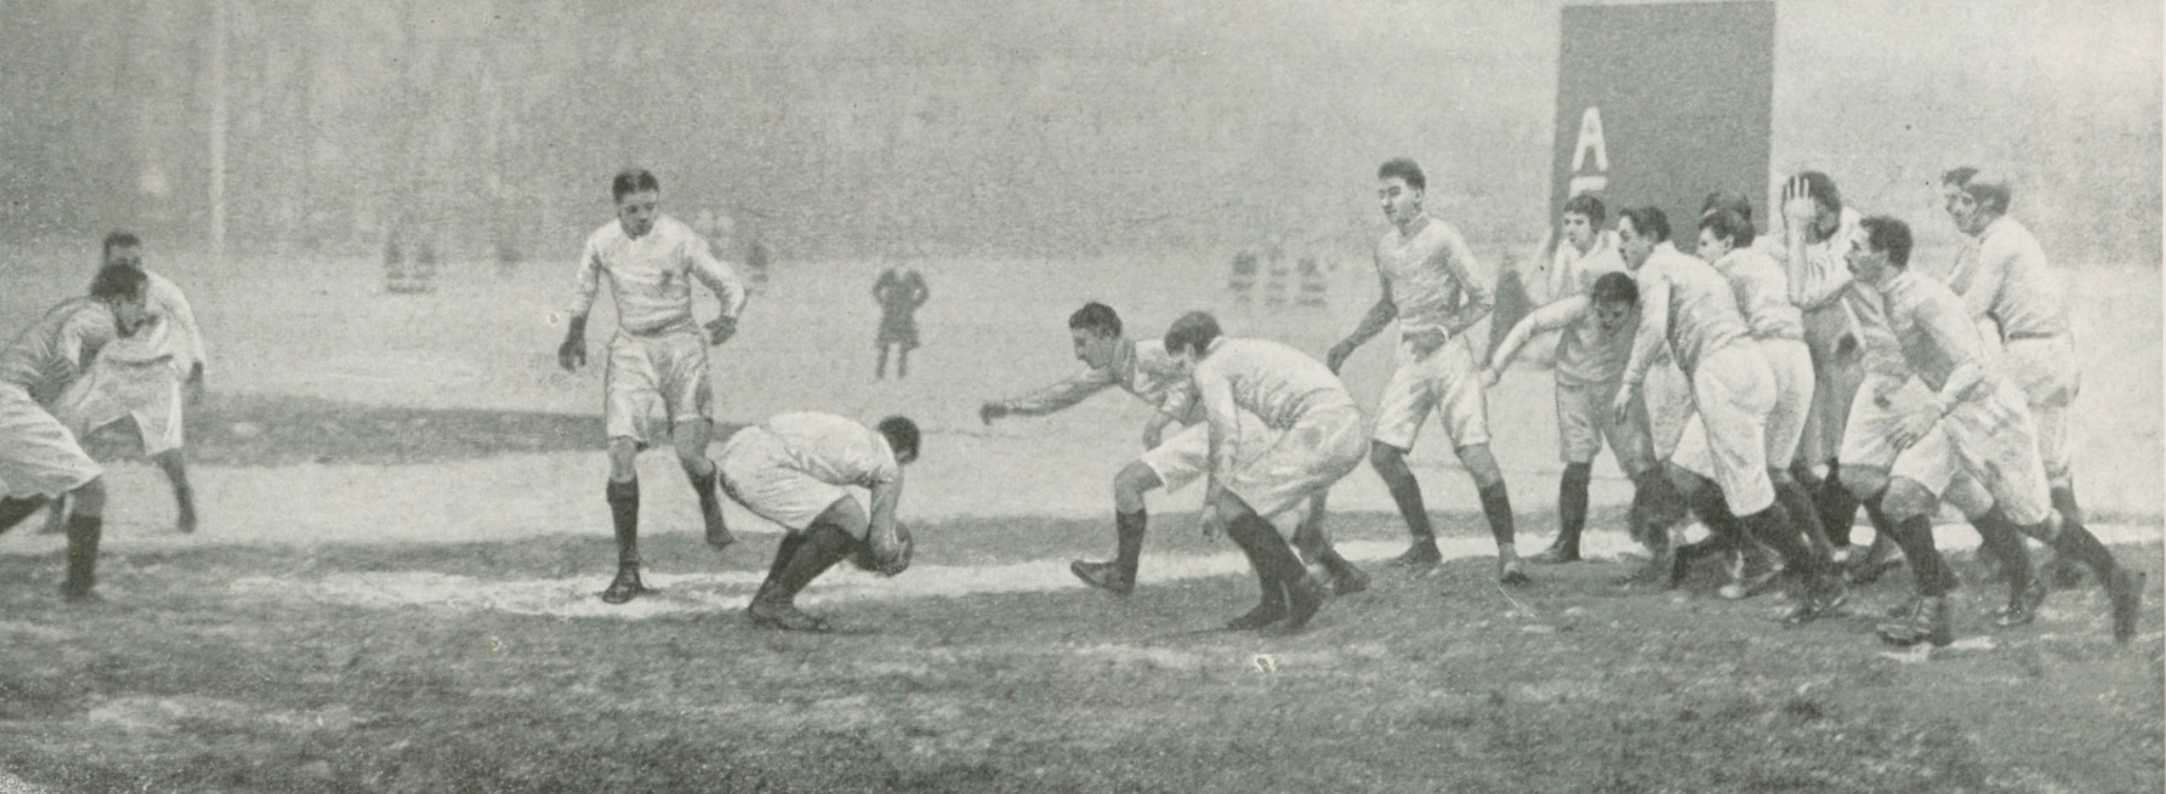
{"x": 732, "y": 591}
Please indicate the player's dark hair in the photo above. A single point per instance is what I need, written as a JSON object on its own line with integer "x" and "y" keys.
{"x": 1648, "y": 221}
{"x": 1887, "y": 234}
{"x": 1588, "y": 205}
{"x": 901, "y": 435}
{"x": 1823, "y": 190}
{"x": 1958, "y": 176}
{"x": 1405, "y": 170}
{"x": 1729, "y": 200}
{"x": 118, "y": 283}
{"x": 117, "y": 240}
{"x": 1728, "y": 225}
{"x": 1195, "y": 330}
{"x": 1989, "y": 190}
{"x": 632, "y": 180}
{"x": 1615, "y": 287}
{"x": 1096, "y": 317}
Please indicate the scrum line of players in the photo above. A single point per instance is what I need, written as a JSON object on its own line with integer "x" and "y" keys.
{"x": 126, "y": 352}
{"x": 1754, "y": 350}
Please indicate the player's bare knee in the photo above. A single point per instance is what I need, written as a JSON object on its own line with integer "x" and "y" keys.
{"x": 1481, "y": 464}
{"x": 1906, "y": 500}
{"x": 1388, "y": 460}
{"x": 623, "y": 455}
{"x": 1129, "y": 486}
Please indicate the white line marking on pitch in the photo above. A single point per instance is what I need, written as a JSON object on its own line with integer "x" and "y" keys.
{"x": 731, "y": 591}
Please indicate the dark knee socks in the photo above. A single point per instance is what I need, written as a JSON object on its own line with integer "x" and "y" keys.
{"x": 703, "y": 484}
{"x": 1129, "y": 529}
{"x": 1774, "y": 527}
{"x": 1572, "y": 504}
{"x": 1799, "y": 506}
{"x": 1914, "y": 535}
{"x": 1275, "y": 562}
{"x": 1497, "y": 506}
{"x": 817, "y": 550}
{"x": 1837, "y": 508}
{"x": 83, "y": 533}
{"x": 2001, "y": 538}
{"x": 624, "y": 510}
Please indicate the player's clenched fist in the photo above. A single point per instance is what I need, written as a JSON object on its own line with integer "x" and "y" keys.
{"x": 721, "y": 329}
{"x": 573, "y": 353}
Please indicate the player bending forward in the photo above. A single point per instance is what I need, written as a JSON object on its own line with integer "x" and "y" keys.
{"x": 1977, "y": 424}
{"x": 140, "y": 377}
{"x": 793, "y": 470}
{"x": 1319, "y": 440}
{"x": 39, "y": 458}
{"x": 657, "y": 361}
{"x": 1145, "y": 370}
{"x": 1687, "y": 303}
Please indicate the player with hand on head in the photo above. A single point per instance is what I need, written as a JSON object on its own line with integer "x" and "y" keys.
{"x": 1687, "y": 305}
{"x": 1426, "y": 274}
{"x": 1143, "y": 369}
{"x": 1977, "y": 424}
{"x": 657, "y": 361}
{"x": 1598, "y": 326}
{"x": 143, "y": 377}
{"x": 39, "y": 458}
{"x": 1319, "y": 440}
{"x": 795, "y": 470}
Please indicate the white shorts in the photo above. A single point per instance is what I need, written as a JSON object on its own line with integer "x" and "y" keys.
{"x": 1791, "y": 365}
{"x": 1836, "y": 378}
{"x": 1668, "y": 397}
{"x": 1989, "y": 440}
{"x": 149, "y": 393}
{"x": 654, "y": 382}
{"x": 2046, "y": 371}
{"x": 38, "y": 456}
{"x": 1870, "y": 424}
{"x": 1735, "y": 394}
{"x": 1584, "y": 419}
{"x": 760, "y": 473}
{"x": 1324, "y": 445}
{"x": 1448, "y": 381}
{"x": 1185, "y": 456}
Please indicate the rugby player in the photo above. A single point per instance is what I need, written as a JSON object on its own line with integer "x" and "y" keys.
{"x": 1426, "y": 273}
{"x": 1319, "y": 441}
{"x": 39, "y": 458}
{"x": 1143, "y": 369}
{"x": 657, "y": 360}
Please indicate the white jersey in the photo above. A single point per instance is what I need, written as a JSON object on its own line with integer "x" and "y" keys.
{"x": 1763, "y": 294}
{"x": 168, "y": 334}
{"x": 1685, "y": 300}
{"x": 650, "y": 276}
{"x": 2002, "y": 274}
{"x": 835, "y": 450}
{"x": 1432, "y": 278}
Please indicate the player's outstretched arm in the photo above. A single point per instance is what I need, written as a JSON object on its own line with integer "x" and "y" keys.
{"x": 1552, "y": 317}
{"x": 573, "y": 353}
{"x": 1646, "y": 340}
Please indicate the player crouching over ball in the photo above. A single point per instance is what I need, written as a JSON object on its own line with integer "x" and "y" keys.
{"x": 793, "y": 470}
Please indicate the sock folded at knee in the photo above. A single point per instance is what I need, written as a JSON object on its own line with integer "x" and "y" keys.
{"x": 624, "y": 512}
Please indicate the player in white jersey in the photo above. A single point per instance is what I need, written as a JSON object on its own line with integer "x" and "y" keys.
{"x": 2003, "y": 277}
{"x": 1597, "y": 326}
{"x": 141, "y": 377}
{"x": 1319, "y": 440}
{"x": 39, "y": 457}
{"x": 795, "y": 469}
{"x": 1143, "y": 369}
{"x": 658, "y": 359}
{"x": 1427, "y": 277}
{"x": 1688, "y": 303}
{"x": 1977, "y": 424}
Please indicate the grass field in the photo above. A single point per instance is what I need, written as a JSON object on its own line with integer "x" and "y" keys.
{"x": 404, "y": 533}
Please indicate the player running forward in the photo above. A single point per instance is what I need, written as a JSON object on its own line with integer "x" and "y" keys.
{"x": 1977, "y": 424}
{"x": 657, "y": 363}
{"x": 1598, "y": 325}
{"x": 141, "y": 377}
{"x": 1427, "y": 279}
{"x": 39, "y": 458}
{"x": 2002, "y": 276}
{"x": 1319, "y": 440}
{"x": 1691, "y": 305}
{"x": 795, "y": 470}
{"x": 1145, "y": 370}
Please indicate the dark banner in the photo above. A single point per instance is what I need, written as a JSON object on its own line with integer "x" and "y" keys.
{"x": 1661, "y": 104}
